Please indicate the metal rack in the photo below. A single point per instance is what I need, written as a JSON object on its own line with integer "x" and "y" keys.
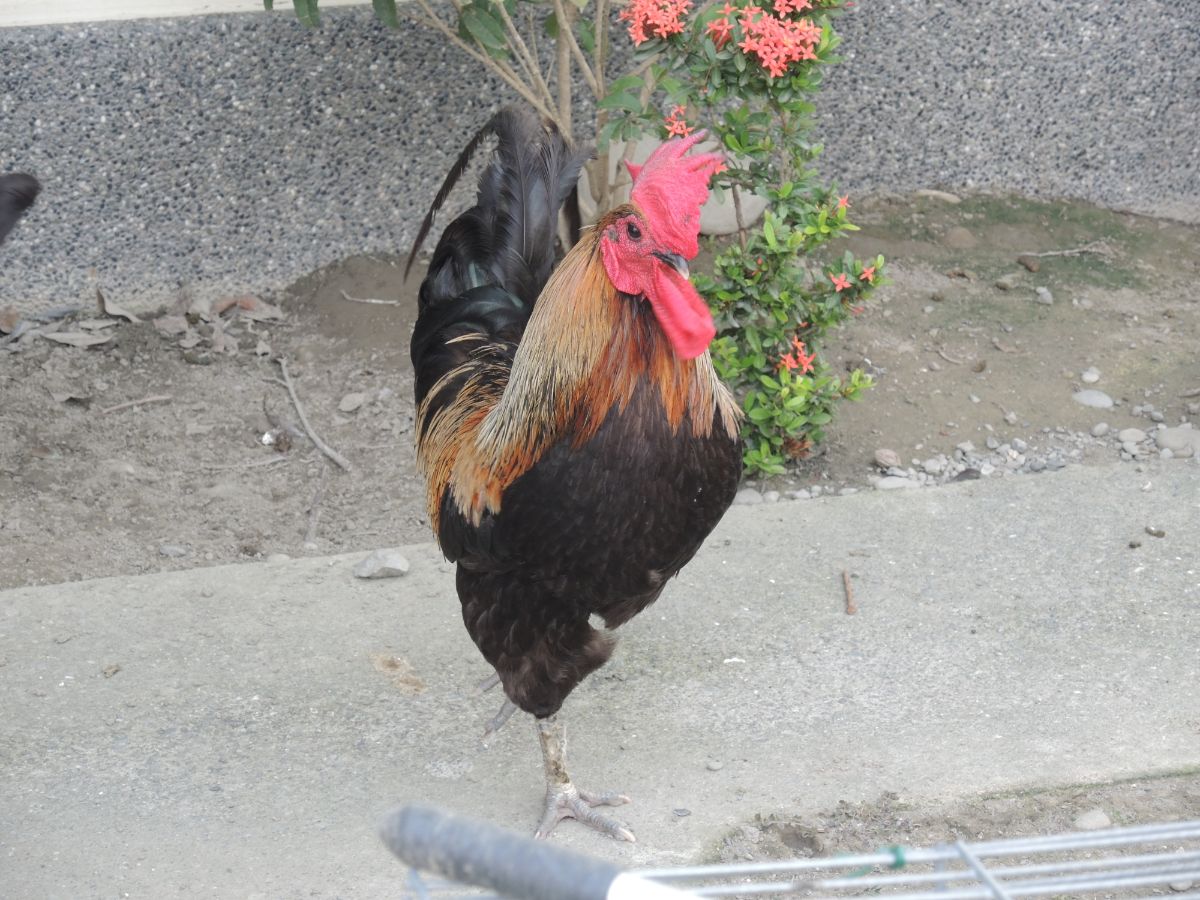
{"x": 1114, "y": 862}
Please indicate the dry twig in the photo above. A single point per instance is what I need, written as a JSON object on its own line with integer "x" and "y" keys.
{"x": 948, "y": 358}
{"x": 1098, "y": 247}
{"x": 851, "y": 606}
{"x": 370, "y": 300}
{"x": 314, "y": 508}
{"x": 308, "y": 429}
{"x": 129, "y": 404}
{"x": 251, "y": 465}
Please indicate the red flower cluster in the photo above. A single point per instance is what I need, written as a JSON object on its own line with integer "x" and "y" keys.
{"x": 798, "y": 359}
{"x": 721, "y": 31}
{"x": 777, "y": 42}
{"x": 654, "y": 18}
{"x": 676, "y": 125}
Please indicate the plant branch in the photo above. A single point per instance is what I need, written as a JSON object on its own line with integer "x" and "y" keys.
{"x": 588, "y": 75}
{"x": 565, "y": 23}
{"x": 522, "y": 52}
{"x": 505, "y": 73}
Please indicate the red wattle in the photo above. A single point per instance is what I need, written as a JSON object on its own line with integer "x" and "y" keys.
{"x": 681, "y": 312}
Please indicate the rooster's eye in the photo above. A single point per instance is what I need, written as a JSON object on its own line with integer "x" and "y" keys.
{"x": 633, "y": 231}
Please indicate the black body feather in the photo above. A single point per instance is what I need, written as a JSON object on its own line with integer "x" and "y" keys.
{"x": 591, "y": 528}
{"x": 17, "y": 193}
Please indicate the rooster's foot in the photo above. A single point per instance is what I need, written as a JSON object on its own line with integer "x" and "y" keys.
{"x": 496, "y": 722}
{"x": 565, "y": 801}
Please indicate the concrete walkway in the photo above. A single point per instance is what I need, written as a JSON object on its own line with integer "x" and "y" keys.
{"x": 263, "y": 717}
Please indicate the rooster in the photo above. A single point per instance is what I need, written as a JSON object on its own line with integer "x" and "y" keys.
{"x": 17, "y": 193}
{"x": 577, "y": 444}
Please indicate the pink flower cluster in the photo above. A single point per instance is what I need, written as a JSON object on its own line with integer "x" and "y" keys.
{"x": 654, "y": 18}
{"x": 677, "y": 126}
{"x": 778, "y": 42}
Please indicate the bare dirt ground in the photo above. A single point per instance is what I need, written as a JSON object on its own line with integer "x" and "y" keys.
{"x": 891, "y": 820}
{"x": 87, "y": 490}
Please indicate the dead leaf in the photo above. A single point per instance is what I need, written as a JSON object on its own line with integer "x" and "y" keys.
{"x": 65, "y": 397}
{"x": 169, "y": 326}
{"x": 78, "y": 338}
{"x": 9, "y": 318}
{"x": 400, "y": 671}
{"x": 249, "y": 306}
{"x": 96, "y": 324}
{"x": 111, "y": 309}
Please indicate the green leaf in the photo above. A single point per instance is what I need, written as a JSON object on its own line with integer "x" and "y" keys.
{"x": 483, "y": 27}
{"x": 386, "y": 11}
{"x": 621, "y": 101}
{"x": 587, "y": 36}
{"x": 268, "y": 5}
{"x": 306, "y": 12}
{"x": 769, "y": 233}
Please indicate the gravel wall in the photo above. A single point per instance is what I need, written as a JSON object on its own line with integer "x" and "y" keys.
{"x": 235, "y": 153}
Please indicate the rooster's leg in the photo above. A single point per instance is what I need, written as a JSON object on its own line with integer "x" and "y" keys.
{"x": 506, "y": 709}
{"x": 563, "y": 799}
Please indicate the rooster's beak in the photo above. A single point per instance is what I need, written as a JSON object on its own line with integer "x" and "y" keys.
{"x": 675, "y": 261}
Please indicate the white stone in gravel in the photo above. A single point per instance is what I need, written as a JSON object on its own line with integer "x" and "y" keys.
{"x": 935, "y": 465}
{"x": 1131, "y": 436}
{"x": 847, "y": 491}
{"x": 172, "y": 551}
{"x": 771, "y": 497}
{"x": 747, "y": 496}
{"x": 986, "y": 469}
{"x": 894, "y": 482}
{"x": 382, "y": 564}
{"x": 1100, "y": 429}
{"x": 965, "y": 447}
{"x": 1044, "y": 296}
{"x": 1090, "y": 375}
{"x": 799, "y": 495}
{"x": 1179, "y": 438}
{"x": 1180, "y": 886}
{"x": 1093, "y": 398}
{"x": 1092, "y": 820}
{"x": 1019, "y": 445}
{"x": 277, "y": 557}
{"x": 1166, "y": 453}
{"x": 1130, "y": 447}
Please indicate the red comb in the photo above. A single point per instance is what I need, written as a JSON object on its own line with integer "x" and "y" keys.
{"x": 670, "y": 188}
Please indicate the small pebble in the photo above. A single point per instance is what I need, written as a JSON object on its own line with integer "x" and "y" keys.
{"x": 172, "y": 551}
{"x": 1019, "y": 445}
{"x": 771, "y": 497}
{"x": 927, "y": 309}
{"x": 747, "y": 497}
{"x": 1131, "y": 435}
{"x": 894, "y": 482}
{"x": 1100, "y": 429}
{"x": 1006, "y": 282}
{"x": 1181, "y": 440}
{"x": 1093, "y": 398}
{"x": 681, "y": 812}
{"x": 1044, "y": 296}
{"x": 992, "y": 442}
{"x": 1090, "y": 375}
{"x": 887, "y": 459}
{"x": 965, "y": 447}
{"x": 382, "y": 564}
{"x": 714, "y": 765}
{"x": 1092, "y": 820}
{"x": 351, "y": 402}
{"x": 1010, "y": 418}
{"x": 1166, "y": 453}
{"x": 799, "y": 495}
{"x": 1032, "y": 263}
{"x": 934, "y": 465}
{"x": 1180, "y": 886}
{"x": 277, "y": 557}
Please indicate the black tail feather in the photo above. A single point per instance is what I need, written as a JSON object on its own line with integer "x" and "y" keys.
{"x": 17, "y": 193}
{"x": 491, "y": 262}
{"x": 508, "y": 237}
